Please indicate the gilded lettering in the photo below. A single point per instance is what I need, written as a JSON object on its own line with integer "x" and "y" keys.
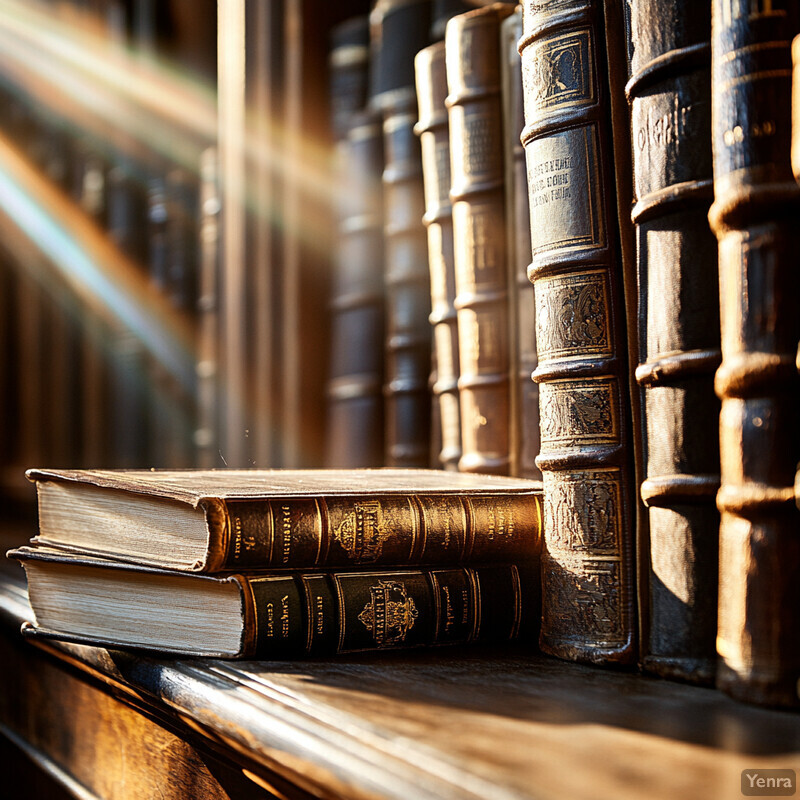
{"x": 270, "y": 619}
{"x": 320, "y": 620}
{"x": 286, "y": 526}
{"x": 285, "y": 616}
{"x": 449, "y": 614}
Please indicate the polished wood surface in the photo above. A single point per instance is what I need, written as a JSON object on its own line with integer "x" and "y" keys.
{"x": 456, "y": 723}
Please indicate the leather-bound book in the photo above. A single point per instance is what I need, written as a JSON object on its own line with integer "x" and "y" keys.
{"x": 207, "y": 521}
{"x": 576, "y": 140}
{"x": 355, "y": 426}
{"x": 755, "y": 216}
{"x": 669, "y": 91}
{"x": 349, "y": 72}
{"x": 433, "y": 132}
{"x": 355, "y": 421}
{"x": 256, "y": 615}
{"x": 399, "y": 30}
{"x": 522, "y": 312}
{"x": 477, "y": 192}
{"x": 443, "y": 11}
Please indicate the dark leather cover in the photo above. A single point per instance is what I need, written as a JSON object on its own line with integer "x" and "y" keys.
{"x": 349, "y": 73}
{"x": 399, "y": 30}
{"x": 443, "y": 11}
{"x": 578, "y": 270}
{"x": 434, "y": 136}
{"x": 355, "y": 424}
{"x": 755, "y": 216}
{"x": 525, "y": 391}
{"x": 479, "y": 228}
{"x": 670, "y": 95}
{"x": 291, "y": 614}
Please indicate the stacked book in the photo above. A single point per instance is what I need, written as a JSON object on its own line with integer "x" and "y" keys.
{"x": 254, "y": 563}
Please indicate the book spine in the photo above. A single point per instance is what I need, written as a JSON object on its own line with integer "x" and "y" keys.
{"x": 352, "y": 612}
{"x": 669, "y": 91}
{"x": 355, "y": 401}
{"x": 402, "y": 529}
{"x": 522, "y": 316}
{"x": 349, "y": 72}
{"x": 433, "y": 132}
{"x": 479, "y": 228}
{"x": 754, "y": 215}
{"x": 355, "y": 422}
{"x": 400, "y": 27}
{"x": 443, "y": 11}
{"x": 578, "y": 271}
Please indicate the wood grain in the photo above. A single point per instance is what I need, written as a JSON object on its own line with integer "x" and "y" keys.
{"x": 471, "y": 723}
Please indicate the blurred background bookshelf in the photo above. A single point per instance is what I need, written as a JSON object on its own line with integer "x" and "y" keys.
{"x": 166, "y": 219}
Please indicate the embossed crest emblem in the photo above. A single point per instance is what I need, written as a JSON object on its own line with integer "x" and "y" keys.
{"x": 361, "y": 533}
{"x": 390, "y": 613}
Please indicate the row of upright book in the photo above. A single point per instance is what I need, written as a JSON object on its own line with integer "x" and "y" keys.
{"x": 652, "y": 211}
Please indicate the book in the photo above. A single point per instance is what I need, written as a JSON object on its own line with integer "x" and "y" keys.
{"x": 669, "y": 91}
{"x": 355, "y": 420}
{"x": 399, "y": 30}
{"x": 253, "y": 615}
{"x": 205, "y": 521}
{"x": 522, "y": 310}
{"x": 754, "y": 215}
{"x": 443, "y": 11}
{"x": 349, "y": 72}
{"x": 577, "y": 144}
{"x": 477, "y": 191}
{"x": 433, "y": 131}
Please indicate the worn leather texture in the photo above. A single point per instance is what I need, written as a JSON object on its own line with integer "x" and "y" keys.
{"x": 670, "y": 95}
{"x": 575, "y": 169}
{"x": 400, "y": 29}
{"x": 477, "y": 191}
{"x": 525, "y": 391}
{"x": 355, "y": 424}
{"x": 434, "y": 134}
{"x": 755, "y": 217}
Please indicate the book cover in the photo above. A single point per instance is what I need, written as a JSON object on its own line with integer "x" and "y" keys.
{"x": 433, "y": 131}
{"x": 670, "y": 95}
{"x": 253, "y": 615}
{"x": 576, "y": 140}
{"x": 477, "y": 192}
{"x": 754, "y": 215}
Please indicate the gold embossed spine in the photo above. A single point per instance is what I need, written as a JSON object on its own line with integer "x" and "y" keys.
{"x": 472, "y": 46}
{"x": 578, "y": 243}
{"x": 432, "y": 129}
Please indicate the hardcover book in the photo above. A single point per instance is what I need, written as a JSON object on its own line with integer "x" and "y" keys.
{"x": 754, "y": 215}
{"x": 355, "y": 419}
{"x": 205, "y": 521}
{"x": 477, "y": 192}
{"x": 433, "y": 133}
{"x": 670, "y": 95}
{"x": 253, "y": 615}
{"x": 400, "y": 29}
{"x": 522, "y": 312}
{"x": 577, "y": 145}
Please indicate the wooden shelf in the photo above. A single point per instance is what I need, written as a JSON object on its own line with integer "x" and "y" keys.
{"x": 446, "y": 723}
